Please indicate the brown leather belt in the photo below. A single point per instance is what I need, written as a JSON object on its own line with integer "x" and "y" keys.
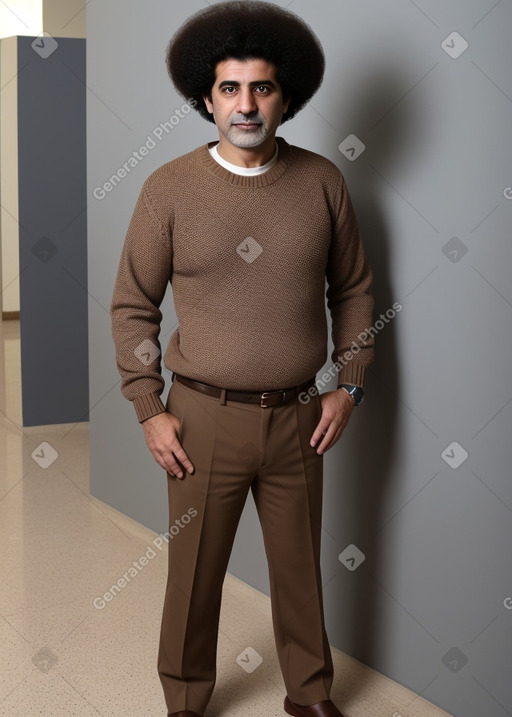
{"x": 266, "y": 399}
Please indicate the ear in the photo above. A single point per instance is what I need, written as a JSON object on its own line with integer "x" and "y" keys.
{"x": 286, "y": 104}
{"x": 208, "y": 103}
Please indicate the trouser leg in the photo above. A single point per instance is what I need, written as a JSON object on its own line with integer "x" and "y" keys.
{"x": 288, "y": 496}
{"x": 214, "y": 496}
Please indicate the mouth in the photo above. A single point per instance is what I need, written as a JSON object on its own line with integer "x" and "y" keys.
{"x": 247, "y": 125}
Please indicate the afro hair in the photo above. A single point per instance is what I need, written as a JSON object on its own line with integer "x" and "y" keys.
{"x": 243, "y": 30}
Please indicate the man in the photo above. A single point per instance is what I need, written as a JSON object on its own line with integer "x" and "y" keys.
{"x": 247, "y": 230}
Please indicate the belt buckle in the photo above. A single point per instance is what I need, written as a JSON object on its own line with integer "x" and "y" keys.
{"x": 266, "y": 394}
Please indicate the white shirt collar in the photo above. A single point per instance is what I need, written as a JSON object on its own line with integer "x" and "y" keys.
{"x": 244, "y": 171}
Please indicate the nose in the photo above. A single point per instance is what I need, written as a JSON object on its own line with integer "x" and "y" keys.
{"x": 246, "y": 101}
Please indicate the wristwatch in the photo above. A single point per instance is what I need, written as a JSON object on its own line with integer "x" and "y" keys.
{"x": 355, "y": 392}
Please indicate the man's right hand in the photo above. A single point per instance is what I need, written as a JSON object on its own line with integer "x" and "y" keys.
{"x": 161, "y": 434}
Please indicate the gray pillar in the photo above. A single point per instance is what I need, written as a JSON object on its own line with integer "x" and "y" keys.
{"x": 52, "y": 229}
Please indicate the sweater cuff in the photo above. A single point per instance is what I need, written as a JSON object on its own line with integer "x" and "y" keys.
{"x": 353, "y": 374}
{"x": 148, "y": 406}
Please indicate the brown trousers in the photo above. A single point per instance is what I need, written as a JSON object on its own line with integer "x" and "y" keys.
{"x": 236, "y": 446}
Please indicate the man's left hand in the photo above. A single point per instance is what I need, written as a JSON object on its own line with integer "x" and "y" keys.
{"x": 336, "y": 409}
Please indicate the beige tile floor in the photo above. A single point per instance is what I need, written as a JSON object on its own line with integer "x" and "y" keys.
{"x": 61, "y": 653}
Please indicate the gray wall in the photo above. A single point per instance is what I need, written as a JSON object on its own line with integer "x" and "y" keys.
{"x": 431, "y": 194}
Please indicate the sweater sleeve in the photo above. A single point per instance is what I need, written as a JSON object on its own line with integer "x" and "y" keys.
{"x": 349, "y": 297}
{"x": 144, "y": 271}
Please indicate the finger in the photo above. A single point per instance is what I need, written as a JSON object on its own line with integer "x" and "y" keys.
{"x": 167, "y": 460}
{"x": 320, "y": 431}
{"x": 330, "y": 438}
{"x": 173, "y": 468}
{"x": 183, "y": 458}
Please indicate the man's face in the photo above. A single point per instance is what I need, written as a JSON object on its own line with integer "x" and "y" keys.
{"x": 246, "y": 102}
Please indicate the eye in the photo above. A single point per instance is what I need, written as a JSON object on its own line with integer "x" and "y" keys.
{"x": 229, "y": 90}
{"x": 262, "y": 89}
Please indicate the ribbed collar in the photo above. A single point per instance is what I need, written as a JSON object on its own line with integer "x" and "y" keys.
{"x": 260, "y": 180}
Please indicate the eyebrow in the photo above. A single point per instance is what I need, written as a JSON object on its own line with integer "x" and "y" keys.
{"x": 257, "y": 83}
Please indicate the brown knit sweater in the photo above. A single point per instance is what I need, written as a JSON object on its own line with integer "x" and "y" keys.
{"x": 248, "y": 259}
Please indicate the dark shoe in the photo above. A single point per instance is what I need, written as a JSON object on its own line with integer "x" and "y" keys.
{"x": 326, "y": 708}
{"x": 183, "y": 713}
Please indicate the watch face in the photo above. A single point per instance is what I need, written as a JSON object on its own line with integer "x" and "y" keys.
{"x": 358, "y": 395}
{"x": 356, "y": 392}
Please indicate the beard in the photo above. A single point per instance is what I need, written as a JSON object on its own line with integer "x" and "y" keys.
{"x": 247, "y": 138}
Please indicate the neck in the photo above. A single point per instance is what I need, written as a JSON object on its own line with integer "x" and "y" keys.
{"x": 247, "y": 156}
